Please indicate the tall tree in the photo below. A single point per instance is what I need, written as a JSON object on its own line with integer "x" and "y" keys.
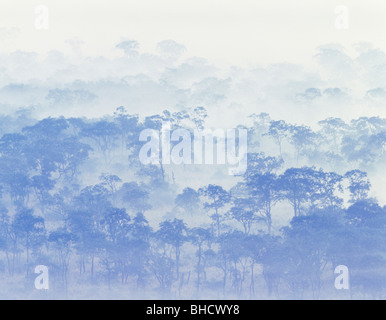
{"x": 174, "y": 233}
{"x": 217, "y": 198}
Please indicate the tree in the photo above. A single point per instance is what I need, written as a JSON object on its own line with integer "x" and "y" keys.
{"x": 359, "y": 185}
{"x": 217, "y": 199}
{"x": 307, "y": 243}
{"x": 264, "y": 189}
{"x": 263, "y": 185}
{"x": 198, "y": 237}
{"x": 30, "y": 230}
{"x": 110, "y": 181}
{"x": 297, "y": 186}
{"x": 362, "y": 248}
{"x": 303, "y": 139}
{"x": 135, "y": 197}
{"x": 243, "y": 212}
{"x": 116, "y": 224}
{"x": 198, "y": 117}
{"x": 62, "y": 241}
{"x": 326, "y": 187}
{"x": 233, "y": 256}
{"x": 189, "y": 200}
{"x": 127, "y": 125}
{"x": 5, "y": 243}
{"x": 334, "y": 129}
{"x": 104, "y": 134}
{"x": 85, "y": 219}
{"x": 174, "y": 233}
{"x": 141, "y": 233}
{"x": 278, "y": 131}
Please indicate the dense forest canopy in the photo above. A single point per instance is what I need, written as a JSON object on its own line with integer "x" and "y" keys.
{"x": 76, "y": 198}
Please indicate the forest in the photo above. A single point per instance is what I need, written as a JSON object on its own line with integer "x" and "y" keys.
{"x": 76, "y": 198}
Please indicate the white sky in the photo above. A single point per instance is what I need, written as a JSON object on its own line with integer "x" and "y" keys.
{"x": 242, "y": 32}
{"x": 225, "y": 32}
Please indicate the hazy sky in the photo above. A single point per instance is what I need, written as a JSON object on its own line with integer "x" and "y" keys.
{"x": 251, "y": 34}
{"x": 225, "y": 32}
